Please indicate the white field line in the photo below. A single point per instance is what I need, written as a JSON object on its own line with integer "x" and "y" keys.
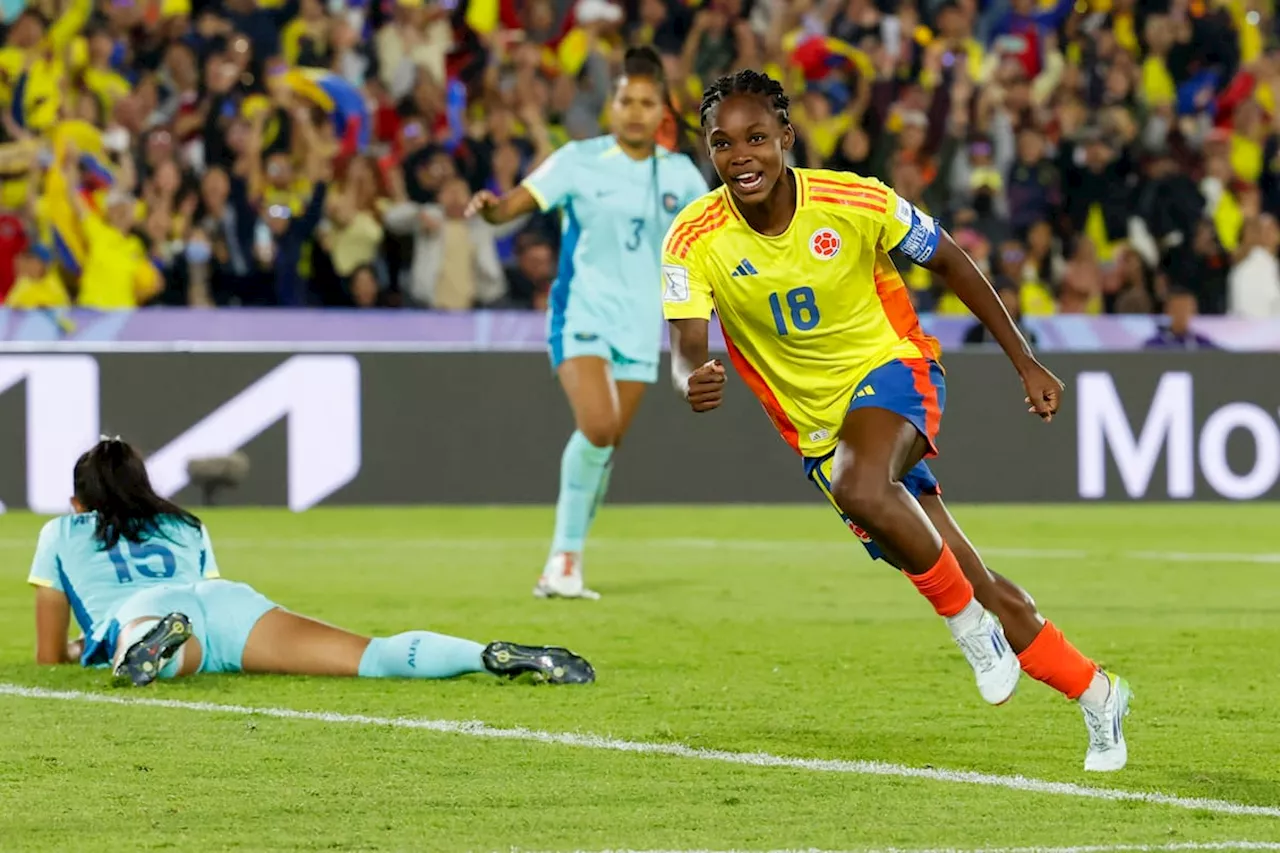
{"x": 773, "y": 546}
{"x": 479, "y": 729}
{"x": 1101, "y": 848}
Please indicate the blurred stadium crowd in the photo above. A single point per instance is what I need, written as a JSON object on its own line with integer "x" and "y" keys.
{"x": 1094, "y": 156}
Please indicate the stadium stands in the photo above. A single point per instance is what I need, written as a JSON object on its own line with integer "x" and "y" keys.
{"x": 1095, "y": 156}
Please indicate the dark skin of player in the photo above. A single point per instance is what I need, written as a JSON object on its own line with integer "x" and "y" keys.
{"x": 876, "y": 446}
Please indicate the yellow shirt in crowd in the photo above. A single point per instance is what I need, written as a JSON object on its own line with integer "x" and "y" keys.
{"x": 117, "y": 274}
{"x": 30, "y": 294}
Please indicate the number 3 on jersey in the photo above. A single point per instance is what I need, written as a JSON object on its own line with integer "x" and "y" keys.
{"x": 803, "y": 307}
{"x": 137, "y": 560}
{"x": 637, "y": 229}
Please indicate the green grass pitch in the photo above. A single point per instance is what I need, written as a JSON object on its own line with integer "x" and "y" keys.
{"x": 750, "y": 629}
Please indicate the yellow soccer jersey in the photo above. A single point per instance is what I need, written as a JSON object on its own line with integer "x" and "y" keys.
{"x": 809, "y": 313}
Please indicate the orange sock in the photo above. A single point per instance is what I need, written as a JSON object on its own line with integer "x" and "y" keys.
{"x": 1053, "y": 660}
{"x": 945, "y": 585}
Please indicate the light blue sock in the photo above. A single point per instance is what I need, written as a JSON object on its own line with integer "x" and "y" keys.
{"x": 600, "y": 492}
{"x": 420, "y": 654}
{"x": 582, "y": 470}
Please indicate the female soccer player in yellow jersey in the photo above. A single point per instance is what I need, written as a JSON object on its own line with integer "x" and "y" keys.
{"x": 795, "y": 262}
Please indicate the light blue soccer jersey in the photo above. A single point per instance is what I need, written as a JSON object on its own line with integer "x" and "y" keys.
{"x": 616, "y": 212}
{"x": 70, "y": 558}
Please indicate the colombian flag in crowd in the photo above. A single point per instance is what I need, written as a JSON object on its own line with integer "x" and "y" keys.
{"x": 337, "y": 97}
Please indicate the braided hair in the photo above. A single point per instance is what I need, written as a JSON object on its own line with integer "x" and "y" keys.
{"x": 746, "y": 82}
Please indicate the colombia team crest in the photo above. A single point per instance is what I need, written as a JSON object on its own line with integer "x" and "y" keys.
{"x": 825, "y": 244}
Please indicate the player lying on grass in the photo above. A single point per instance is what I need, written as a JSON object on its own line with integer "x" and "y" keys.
{"x": 138, "y": 573}
{"x": 820, "y": 326}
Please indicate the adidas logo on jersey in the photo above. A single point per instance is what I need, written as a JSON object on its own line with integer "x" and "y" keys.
{"x": 744, "y": 268}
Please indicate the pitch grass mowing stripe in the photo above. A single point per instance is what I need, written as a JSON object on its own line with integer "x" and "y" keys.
{"x": 676, "y": 750}
{"x": 1110, "y": 848}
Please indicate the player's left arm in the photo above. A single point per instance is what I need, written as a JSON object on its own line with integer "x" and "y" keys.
{"x": 919, "y": 236}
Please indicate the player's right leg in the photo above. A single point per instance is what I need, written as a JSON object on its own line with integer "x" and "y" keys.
{"x": 161, "y": 634}
{"x": 582, "y": 362}
{"x": 890, "y": 425}
{"x": 287, "y": 643}
{"x": 1043, "y": 652}
{"x": 979, "y": 636}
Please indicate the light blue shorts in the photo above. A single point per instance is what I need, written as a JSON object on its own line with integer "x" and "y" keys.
{"x": 222, "y": 614}
{"x": 566, "y": 344}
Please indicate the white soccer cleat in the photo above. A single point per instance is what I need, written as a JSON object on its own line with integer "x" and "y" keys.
{"x": 995, "y": 666}
{"x": 562, "y": 578}
{"x": 1105, "y": 722}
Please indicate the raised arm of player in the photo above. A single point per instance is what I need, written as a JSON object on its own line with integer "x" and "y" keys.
{"x": 499, "y": 211}
{"x": 551, "y": 185}
{"x": 698, "y": 378}
{"x": 957, "y": 269}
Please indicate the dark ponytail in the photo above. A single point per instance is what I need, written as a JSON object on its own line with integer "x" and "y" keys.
{"x": 111, "y": 480}
{"x": 644, "y": 61}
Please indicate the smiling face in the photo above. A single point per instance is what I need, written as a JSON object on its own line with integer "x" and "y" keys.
{"x": 748, "y": 142}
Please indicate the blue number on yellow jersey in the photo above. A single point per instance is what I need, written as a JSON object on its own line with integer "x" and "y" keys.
{"x": 70, "y": 558}
{"x": 808, "y": 313}
{"x": 616, "y": 211}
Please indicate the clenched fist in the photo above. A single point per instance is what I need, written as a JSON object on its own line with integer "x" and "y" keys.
{"x": 704, "y": 389}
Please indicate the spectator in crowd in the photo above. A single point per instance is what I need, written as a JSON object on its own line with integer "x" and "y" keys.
{"x": 529, "y": 280}
{"x": 1132, "y": 289}
{"x": 455, "y": 259}
{"x": 1009, "y": 295}
{"x": 118, "y": 272}
{"x": 351, "y": 232}
{"x": 366, "y": 289}
{"x": 1181, "y": 307}
{"x": 1253, "y": 288}
{"x": 37, "y": 285}
{"x": 282, "y": 152}
{"x": 1202, "y": 268}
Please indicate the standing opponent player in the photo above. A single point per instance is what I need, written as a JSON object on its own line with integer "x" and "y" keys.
{"x": 617, "y": 194}
{"x": 819, "y": 325}
{"x": 138, "y": 574}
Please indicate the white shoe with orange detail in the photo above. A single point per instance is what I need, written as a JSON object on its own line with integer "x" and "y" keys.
{"x": 562, "y": 578}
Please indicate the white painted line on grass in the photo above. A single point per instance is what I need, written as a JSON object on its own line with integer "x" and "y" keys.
{"x": 1101, "y": 848}
{"x": 678, "y": 750}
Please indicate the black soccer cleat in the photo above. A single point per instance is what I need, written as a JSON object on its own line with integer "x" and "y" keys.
{"x": 549, "y": 664}
{"x": 143, "y": 661}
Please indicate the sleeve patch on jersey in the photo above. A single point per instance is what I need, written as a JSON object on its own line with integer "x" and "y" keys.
{"x": 675, "y": 281}
{"x": 903, "y": 213}
{"x": 921, "y": 241}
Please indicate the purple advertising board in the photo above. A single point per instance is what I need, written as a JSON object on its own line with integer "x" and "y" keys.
{"x": 497, "y": 331}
